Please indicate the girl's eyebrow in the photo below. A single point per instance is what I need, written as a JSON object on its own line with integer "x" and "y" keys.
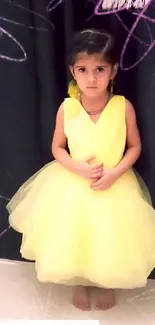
{"x": 97, "y": 66}
{"x": 101, "y": 66}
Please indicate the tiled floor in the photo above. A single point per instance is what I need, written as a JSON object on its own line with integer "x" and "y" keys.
{"x": 23, "y": 297}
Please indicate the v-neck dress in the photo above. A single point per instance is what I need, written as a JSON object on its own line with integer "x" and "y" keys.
{"x": 77, "y": 235}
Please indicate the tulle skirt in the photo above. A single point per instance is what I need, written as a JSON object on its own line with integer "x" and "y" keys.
{"x": 77, "y": 235}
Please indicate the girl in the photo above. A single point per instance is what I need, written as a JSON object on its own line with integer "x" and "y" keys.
{"x": 84, "y": 218}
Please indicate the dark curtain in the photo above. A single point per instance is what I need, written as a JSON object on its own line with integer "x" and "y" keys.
{"x": 32, "y": 89}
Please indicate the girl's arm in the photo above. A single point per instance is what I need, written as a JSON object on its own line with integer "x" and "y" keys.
{"x": 60, "y": 153}
{"x": 133, "y": 142}
{"x": 59, "y": 142}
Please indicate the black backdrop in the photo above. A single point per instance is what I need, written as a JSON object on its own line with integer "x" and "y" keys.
{"x": 31, "y": 91}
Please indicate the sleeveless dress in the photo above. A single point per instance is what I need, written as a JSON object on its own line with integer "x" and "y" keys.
{"x": 80, "y": 236}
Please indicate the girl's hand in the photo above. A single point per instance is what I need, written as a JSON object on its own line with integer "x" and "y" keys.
{"x": 89, "y": 170}
{"x": 107, "y": 180}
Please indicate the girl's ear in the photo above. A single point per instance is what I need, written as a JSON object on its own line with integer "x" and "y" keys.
{"x": 72, "y": 71}
{"x": 114, "y": 71}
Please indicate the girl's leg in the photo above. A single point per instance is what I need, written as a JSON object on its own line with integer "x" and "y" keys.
{"x": 81, "y": 299}
{"x": 105, "y": 298}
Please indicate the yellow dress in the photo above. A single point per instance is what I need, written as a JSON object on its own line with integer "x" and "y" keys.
{"x": 80, "y": 236}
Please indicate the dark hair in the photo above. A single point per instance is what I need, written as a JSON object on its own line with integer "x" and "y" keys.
{"x": 93, "y": 41}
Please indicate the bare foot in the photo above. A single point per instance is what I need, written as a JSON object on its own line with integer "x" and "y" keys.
{"x": 105, "y": 299}
{"x": 81, "y": 298}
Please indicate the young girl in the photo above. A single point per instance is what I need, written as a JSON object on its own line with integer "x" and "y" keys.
{"x": 84, "y": 217}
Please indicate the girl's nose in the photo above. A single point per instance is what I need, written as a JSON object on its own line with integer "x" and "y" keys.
{"x": 91, "y": 77}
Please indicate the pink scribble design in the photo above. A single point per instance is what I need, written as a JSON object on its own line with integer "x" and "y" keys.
{"x": 140, "y": 16}
{"x": 53, "y": 4}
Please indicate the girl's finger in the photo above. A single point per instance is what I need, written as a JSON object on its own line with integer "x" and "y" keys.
{"x": 96, "y": 170}
{"x": 97, "y": 188}
{"x": 94, "y": 167}
{"x": 96, "y": 175}
{"x": 98, "y": 182}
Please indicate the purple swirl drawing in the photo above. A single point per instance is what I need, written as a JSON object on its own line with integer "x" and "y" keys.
{"x": 140, "y": 15}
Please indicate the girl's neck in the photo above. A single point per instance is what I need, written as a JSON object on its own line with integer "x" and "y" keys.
{"x": 98, "y": 101}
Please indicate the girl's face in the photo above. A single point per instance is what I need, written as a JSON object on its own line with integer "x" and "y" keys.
{"x": 92, "y": 73}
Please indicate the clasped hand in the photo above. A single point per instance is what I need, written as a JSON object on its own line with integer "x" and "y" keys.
{"x": 105, "y": 181}
{"x": 100, "y": 179}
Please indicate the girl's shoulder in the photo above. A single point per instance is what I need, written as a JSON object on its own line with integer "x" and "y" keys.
{"x": 119, "y": 98}
{"x": 118, "y": 101}
{"x": 71, "y": 107}
{"x": 126, "y": 107}
{"x": 124, "y": 101}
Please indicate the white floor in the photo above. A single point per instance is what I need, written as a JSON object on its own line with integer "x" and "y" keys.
{"x": 23, "y": 297}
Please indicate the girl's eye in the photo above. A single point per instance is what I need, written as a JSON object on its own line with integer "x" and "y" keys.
{"x": 82, "y": 69}
{"x": 100, "y": 69}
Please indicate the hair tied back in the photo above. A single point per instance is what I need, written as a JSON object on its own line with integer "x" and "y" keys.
{"x": 73, "y": 89}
